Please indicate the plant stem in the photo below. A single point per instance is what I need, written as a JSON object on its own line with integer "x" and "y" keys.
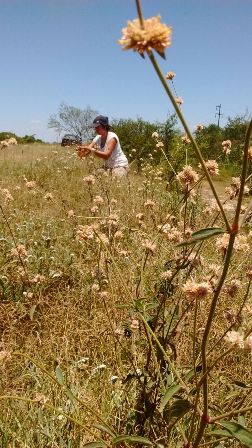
{"x": 243, "y": 177}
{"x": 205, "y": 416}
{"x": 189, "y": 134}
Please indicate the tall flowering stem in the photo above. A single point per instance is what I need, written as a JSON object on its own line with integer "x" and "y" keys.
{"x": 243, "y": 177}
{"x": 190, "y": 136}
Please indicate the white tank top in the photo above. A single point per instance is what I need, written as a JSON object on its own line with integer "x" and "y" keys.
{"x": 117, "y": 157}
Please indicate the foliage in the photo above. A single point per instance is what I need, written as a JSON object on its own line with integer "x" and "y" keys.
{"x": 21, "y": 140}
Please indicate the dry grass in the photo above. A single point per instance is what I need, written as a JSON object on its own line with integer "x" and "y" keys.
{"x": 79, "y": 315}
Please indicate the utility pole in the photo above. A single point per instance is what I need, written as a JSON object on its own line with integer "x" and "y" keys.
{"x": 219, "y": 114}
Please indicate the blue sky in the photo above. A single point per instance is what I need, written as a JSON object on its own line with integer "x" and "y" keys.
{"x": 55, "y": 51}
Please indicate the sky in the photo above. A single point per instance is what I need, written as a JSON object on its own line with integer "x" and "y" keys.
{"x": 55, "y": 51}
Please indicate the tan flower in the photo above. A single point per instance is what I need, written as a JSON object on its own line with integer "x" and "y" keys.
{"x": 187, "y": 176}
{"x": 170, "y": 75}
{"x": 19, "y": 251}
{"x": 179, "y": 100}
{"x": 30, "y": 184}
{"x": 185, "y": 140}
{"x": 194, "y": 290}
{"x": 212, "y": 167}
{"x": 235, "y": 338}
{"x": 250, "y": 153}
{"x": 226, "y": 146}
{"x": 199, "y": 127}
{"x": 154, "y": 35}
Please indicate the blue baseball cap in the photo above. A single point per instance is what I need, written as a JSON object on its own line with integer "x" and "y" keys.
{"x": 100, "y": 120}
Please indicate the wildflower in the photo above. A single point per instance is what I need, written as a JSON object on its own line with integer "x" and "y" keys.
{"x": 152, "y": 36}
{"x": 187, "y": 176}
{"x": 89, "y": 180}
{"x": 248, "y": 343}
{"x": 166, "y": 275}
{"x": 95, "y": 288}
{"x": 149, "y": 203}
{"x": 236, "y": 183}
{"x": 104, "y": 294}
{"x": 235, "y": 338}
{"x": 185, "y": 140}
{"x": 241, "y": 243}
{"x": 222, "y": 242}
{"x": 194, "y": 290}
{"x": 113, "y": 219}
{"x": 19, "y": 251}
{"x": 48, "y": 196}
{"x": 40, "y": 398}
{"x": 8, "y": 195}
{"x": 94, "y": 209}
{"x": 118, "y": 235}
{"x": 29, "y": 295}
{"x": 85, "y": 232}
{"x": 102, "y": 238}
{"x": 250, "y": 153}
{"x": 149, "y": 246}
{"x": 200, "y": 127}
{"x": 170, "y": 75}
{"x": 134, "y": 324}
{"x": 249, "y": 274}
{"x": 70, "y": 214}
{"x": 155, "y": 135}
{"x": 98, "y": 200}
{"x": 179, "y": 100}
{"x": 140, "y": 216}
{"x": 118, "y": 332}
{"x": 232, "y": 288}
{"x": 160, "y": 145}
{"x": 38, "y": 278}
{"x": 30, "y": 184}
{"x": 231, "y": 192}
{"x": 226, "y": 146}
{"x": 175, "y": 235}
{"x": 164, "y": 228}
{"x": 212, "y": 167}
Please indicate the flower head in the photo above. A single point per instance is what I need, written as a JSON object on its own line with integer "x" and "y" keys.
{"x": 170, "y": 75}
{"x": 154, "y": 35}
{"x": 187, "y": 176}
{"x": 194, "y": 290}
{"x": 226, "y": 146}
{"x": 212, "y": 167}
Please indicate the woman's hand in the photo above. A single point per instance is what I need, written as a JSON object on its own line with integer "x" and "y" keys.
{"x": 83, "y": 151}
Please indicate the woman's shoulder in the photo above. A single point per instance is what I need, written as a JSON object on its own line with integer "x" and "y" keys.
{"x": 112, "y": 134}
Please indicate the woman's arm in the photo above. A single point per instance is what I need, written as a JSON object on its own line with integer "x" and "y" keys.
{"x": 108, "y": 151}
{"x": 84, "y": 150}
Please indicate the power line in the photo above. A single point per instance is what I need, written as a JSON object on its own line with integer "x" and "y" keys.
{"x": 219, "y": 114}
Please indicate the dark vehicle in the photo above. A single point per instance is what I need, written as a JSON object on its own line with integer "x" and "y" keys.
{"x": 71, "y": 139}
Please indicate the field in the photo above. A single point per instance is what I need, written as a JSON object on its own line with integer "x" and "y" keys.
{"x": 104, "y": 311}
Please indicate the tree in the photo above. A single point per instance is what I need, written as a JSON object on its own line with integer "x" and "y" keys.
{"x": 73, "y": 120}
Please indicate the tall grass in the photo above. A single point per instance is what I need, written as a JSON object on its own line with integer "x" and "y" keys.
{"x": 100, "y": 339}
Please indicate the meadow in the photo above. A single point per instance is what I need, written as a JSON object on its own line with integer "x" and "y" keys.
{"x": 105, "y": 294}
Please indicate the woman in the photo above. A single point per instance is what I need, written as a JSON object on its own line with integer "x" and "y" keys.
{"x": 106, "y": 146}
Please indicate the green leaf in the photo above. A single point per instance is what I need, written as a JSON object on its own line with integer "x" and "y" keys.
{"x": 238, "y": 432}
{"x": 132, "y": 439}
{"x": 201, "y": 235}
{"x": 179, "y": 408}
{"x": 97, "y": 444}
{"x": 60, "y": 375}
{"x": 105, "y": 428}
{"x": 172, "y": 390}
